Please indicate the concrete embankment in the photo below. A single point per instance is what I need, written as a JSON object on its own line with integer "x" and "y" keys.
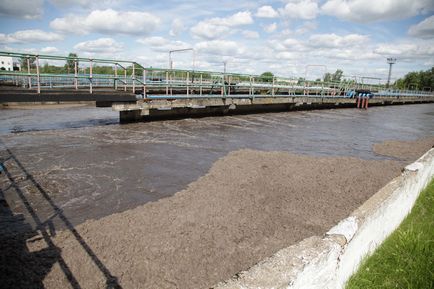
{"x": 328, "y": 262}
{"x": 148, "y": 109}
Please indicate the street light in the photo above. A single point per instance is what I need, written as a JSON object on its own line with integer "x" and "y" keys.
{"x": 179, "y": 50}
{"x": 391, "y": 62}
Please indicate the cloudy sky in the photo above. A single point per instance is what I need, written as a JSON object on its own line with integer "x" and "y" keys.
{"x": 251, "y": 36}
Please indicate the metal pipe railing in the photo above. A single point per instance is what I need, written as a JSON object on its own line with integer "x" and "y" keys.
{"x": 172, "y": 82}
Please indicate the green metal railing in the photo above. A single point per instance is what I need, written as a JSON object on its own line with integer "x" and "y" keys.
{"x": 130, "y": 76}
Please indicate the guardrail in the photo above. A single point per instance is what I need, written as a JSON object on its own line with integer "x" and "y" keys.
{"x": 129, "y": 76}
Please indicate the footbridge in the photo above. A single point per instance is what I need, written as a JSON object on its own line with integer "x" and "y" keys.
{"x": 139, "y": 92}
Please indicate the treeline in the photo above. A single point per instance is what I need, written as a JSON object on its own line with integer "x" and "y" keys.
{"x": 418, "y": 80}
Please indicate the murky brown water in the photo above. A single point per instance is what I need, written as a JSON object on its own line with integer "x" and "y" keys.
{"x": 90, "y": 166}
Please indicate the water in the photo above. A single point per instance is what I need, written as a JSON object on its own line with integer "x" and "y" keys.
{"x": 91, "y": 166}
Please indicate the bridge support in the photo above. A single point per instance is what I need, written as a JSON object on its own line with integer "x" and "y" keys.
{"x": 129, "y": 116}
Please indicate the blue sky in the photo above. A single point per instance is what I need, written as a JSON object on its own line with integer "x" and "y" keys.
{"x": 250, "y": 36}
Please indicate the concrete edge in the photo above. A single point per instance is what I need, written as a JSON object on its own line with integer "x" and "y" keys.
{"x": 328, "y": 262}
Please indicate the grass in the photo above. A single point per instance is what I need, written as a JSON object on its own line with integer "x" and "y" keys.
{"x": 406, "y": 258}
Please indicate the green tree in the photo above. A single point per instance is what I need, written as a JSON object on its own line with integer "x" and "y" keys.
{"x": 337, "y": 76}
{"x": 422, "y": 80}
{"x": 328, "y": 77}
{"x": 266, "y": 76}
{"x": 23, "y": 62}
{"x": 70, "y": 62}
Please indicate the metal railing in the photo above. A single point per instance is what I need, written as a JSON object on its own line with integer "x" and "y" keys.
{"x": 129, "y": 76}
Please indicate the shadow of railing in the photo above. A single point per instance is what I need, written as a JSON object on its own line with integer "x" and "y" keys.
{"x": 46, "y": 228}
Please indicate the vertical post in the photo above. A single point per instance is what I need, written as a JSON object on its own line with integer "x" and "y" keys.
{"x": 223, "y": 88}
{"x": 38, "y": 77}
{"x": 75, "y": 75}
{"x": 200, "y": 88}
{"x": 90, "y": 77}
{"x": 28, "y": 72}
{"x": 188, "y": 74}
{"x": 229, "y": 86}
{"x": 134, "y": 78}
{"x": 116, "y": 77}
{"x": 125, "y": 78}
{"x": 272, "y": 87}
{"x": 167, "y": 82}
{"x": 144, "y": 83}
{"x": 250, "y": 85}
{"x": 253, "y": 88}
{"x": 171, "y": 83}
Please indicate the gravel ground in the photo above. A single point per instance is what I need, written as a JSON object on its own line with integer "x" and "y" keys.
{"x": 249, "y": 205}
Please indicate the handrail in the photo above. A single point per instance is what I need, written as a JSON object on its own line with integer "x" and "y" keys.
{"x": 134, "y": 74}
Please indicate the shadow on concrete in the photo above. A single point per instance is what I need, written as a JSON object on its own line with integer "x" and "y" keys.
{"x": 20, "y": 268}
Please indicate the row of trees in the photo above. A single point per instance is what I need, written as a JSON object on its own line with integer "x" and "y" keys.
{"x": 421, "y": 80}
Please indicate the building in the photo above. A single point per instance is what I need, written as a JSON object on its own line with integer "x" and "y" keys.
{"x": 6, "y": 63}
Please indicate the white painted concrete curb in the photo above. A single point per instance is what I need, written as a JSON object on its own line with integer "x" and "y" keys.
{"x": 328, "y": 262}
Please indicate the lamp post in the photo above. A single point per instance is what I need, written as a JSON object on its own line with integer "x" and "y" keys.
{"x": 391, "y": 62}
{"x": 179, "y": 50}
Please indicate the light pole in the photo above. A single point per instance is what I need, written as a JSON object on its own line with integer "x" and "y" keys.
{"x": 179, "y": 50}
{"x": 391, "y": 62}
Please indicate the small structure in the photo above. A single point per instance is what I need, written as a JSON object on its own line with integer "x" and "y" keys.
{"x": 6, "y": 63}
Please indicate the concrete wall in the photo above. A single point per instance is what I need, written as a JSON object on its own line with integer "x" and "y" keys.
{"x": 328, "y": 262}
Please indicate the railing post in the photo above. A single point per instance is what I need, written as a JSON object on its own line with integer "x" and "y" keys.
{"x": 272, "y": 86}
{"x": 167, "y": 83}
{"x": 133, "y": 75}
{"x": 251, "y": 87}
{"x": 171, "y": 83}
{"x": 38, "y": 77}
{"x": 223, "y": 89}
{"x": 200, "y": 88}
{"x": 28, "y": 72}
{"x": 125, "y": 78}
{"x": 90, "y": 77}
{"x": 187, "y": 79}
{"x": 229, "y": 86}
{"x": 116, "y": 77}
{"x": 144, "y": 83}
{"x": 75, "y": 75}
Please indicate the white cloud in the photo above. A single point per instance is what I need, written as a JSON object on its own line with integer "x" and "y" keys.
{"x": 407, "y": 50}
{"x": 108, "y": 22}
{"x": 177, "y": 27}
{"x": 286, "y": 55}
{"x": 209, "y": 31}
{"x": 270, "y": 28}
{"x": 27, "y": 9}
{"x": 161, "y": 44}
{"x": 240, "y": 18}
{"x": 29, "y": 36}
{"x": 306, "y": 27}
{"x": 333, "y": 40}
{"x": 266, "y": 12}
{"x": 373, "y": 10}
{"x": 250, "y": 34}
{"x": 101, "y": 45}
{"x": 49, "y": 49}
{"x": 215, "y": 27}
{"x": 300, "y": 9}
{"x": 424, "y": 29}
{"x": 85, "y": 3}
{"x": 220, "y": 47}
